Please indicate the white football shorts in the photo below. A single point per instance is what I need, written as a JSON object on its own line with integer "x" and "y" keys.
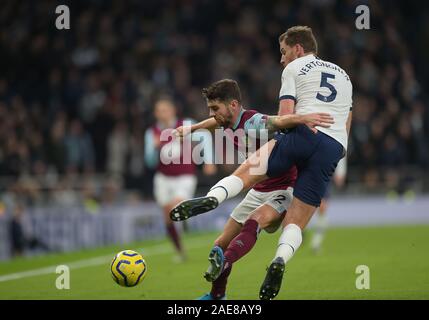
{"x": 279, "y": 200}
{"x": 168, "y": 188}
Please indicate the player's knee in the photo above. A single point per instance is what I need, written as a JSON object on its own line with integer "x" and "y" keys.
{"x": 273, "y": 227}
{"x": 248, "y": 180}
{"x": 265, "y": 220}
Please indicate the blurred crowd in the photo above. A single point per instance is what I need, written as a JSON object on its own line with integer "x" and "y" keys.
{"x": 76, "y": 102}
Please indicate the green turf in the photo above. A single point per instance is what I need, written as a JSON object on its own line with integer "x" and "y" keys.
{"x": 398, "y": 258}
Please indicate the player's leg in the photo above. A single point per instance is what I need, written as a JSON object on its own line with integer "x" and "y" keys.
{"x": 168, "y": 196}
{"x": 216, "y": 255}
{"x": 246, "y": 239}
{"x": 296, "y": 219}
{"x": 321, "y": 224}
{"x": 163, "y": 197}
{"x": 269, "y": 215}
{"x": 172, "y": 231}
{"x": 250, "y": 172}
{"x": 265, "y": 216}
{"x": 231, "y": 229}
{"x": 238, "y": 217}
{"x": 278, "y": 203}
{"x": 314, "y": 173}
{"x": 188, "y": 184}
{"x": 271, "y": 223}
{"x": 184, "y": 189}
{"x": 311, "y": 185}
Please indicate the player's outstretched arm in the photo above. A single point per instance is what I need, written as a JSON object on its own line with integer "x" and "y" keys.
{"x": 312, "y": 120}
{"x": 209, "y": 124}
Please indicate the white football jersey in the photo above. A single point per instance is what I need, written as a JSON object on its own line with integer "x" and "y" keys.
{"x": 319, "y": 86}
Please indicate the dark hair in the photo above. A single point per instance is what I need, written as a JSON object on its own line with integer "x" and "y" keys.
{"x": 223, "y": 90}
{"x": 302, "y": 35}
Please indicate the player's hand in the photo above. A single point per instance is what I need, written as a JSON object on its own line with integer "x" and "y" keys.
{"x": 181, "y": 132}
{"x": 209, "y": 169}
{"x": 313, "y": 120}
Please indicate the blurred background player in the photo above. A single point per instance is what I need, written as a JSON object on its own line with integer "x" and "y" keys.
{"x": 173, "y": 182}
{"x": 321, "y": 223}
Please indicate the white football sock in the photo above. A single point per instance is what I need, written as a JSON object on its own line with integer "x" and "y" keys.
{"x": 226, "y": 188}
{"x": 319, "y": 232}
{"x": 289, "y": 242}
{"x": 321, "y": 222}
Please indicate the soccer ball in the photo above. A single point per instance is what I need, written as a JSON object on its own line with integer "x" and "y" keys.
{"x": 128, "y": 268}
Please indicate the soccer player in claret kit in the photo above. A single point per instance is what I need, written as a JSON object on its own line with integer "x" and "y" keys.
{"x": 177, "y": 173}
{"x": 309, "y": 84}
{"x": 265, "y": 204}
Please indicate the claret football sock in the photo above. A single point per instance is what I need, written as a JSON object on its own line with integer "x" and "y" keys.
{"x": 289, "y": 242}
{"x": 242, "y": 243}
{"x": 219, "y": 285}
{"x": 319, "y": 233}
{"x": 226, "y": 188}
{"x": 174, "y": 236}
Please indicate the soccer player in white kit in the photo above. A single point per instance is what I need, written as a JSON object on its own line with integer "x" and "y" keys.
{"x": 310, "y": 85}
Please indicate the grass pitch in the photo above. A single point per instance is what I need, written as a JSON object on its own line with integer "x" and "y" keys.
{"x": 397, "y": 257}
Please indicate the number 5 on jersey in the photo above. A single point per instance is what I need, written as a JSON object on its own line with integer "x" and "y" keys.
{"x": 325, "y": 84}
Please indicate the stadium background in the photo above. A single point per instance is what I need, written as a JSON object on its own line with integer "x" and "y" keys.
{"x": 74, "y": 105}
